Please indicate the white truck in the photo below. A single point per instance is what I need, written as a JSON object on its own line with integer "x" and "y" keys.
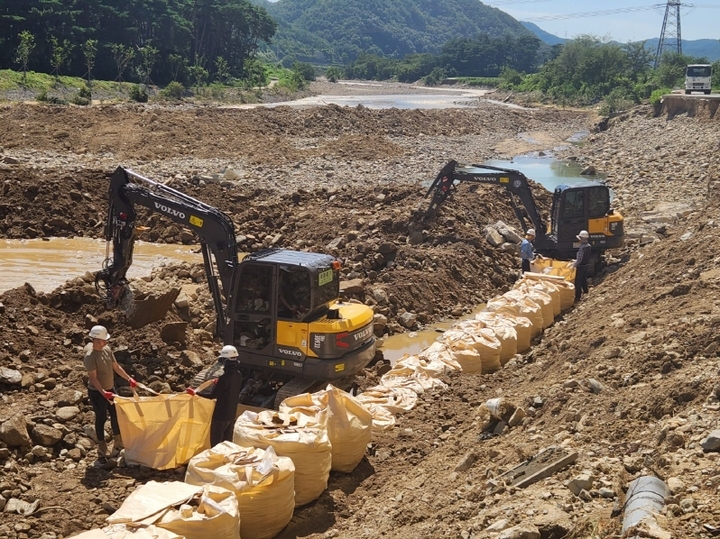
{"x": 698, "y": 78}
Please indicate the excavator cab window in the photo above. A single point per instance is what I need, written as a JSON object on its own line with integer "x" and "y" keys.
{"x": 598, "y": 201}
{"x": 252, "y": 325}
{"x": 573, "y": 207}
{"x": 294, "y": 292}
{"x": 569, "y": 215}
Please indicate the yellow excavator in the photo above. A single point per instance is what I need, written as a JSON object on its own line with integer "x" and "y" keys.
{"x": 579, "y": 205}
{"x": 280, "y": 308}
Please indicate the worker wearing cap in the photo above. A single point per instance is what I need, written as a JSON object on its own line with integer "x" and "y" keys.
{"x": 101, "y": 367}
{"x": 527, "y": 253}
{"x": 226, "y": 392}
{"x": 581, "y": 263}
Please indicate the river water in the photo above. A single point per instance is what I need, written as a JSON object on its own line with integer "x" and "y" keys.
{"x": 47, "y": 264}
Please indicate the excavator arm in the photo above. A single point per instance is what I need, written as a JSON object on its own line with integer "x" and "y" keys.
{"x": 514, "y": 181}
{"x": 214, "y": 229}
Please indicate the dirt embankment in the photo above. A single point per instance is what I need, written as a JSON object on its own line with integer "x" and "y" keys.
{"x": 694, "y": 106}
{"x": 623, "y": 379}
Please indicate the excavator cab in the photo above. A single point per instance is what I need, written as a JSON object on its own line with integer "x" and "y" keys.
{"x": 585, "y": 205}
{"x": 286, "y": 316}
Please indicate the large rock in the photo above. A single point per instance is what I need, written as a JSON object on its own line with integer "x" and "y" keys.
{"x": 174, "y": 332}
{"x": 508, "y": 232}
{"x": 712, "y": 442}
{"x": 67, "y": 413}
{"x": 45, "y": 435}
{"x": 581, "y": 482}
{"x": 14, "y": 432}
{"x": 352, "y": 287}
{"x": 71, "y": 397}
{"x": 10, "y": 376}
{"x": 523, "y": 531}
{"x": 379, "y": 324}
{"x": 188, "y": 358}
{"x": 407, "y": 320}
{"x": 493, "y": 237}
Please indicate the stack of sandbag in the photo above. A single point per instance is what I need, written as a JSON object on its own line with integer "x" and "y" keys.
{"x": 472, "y": 334}
{"x": 543, "y": 300}
{"x": 164, "y": 431}
{"x": 424, "y": 365}
{"x": 547, "y": 287}
{"x": 565, "y": 288}
{"x": 298, "y": 437}
{"x": 348, "y": 423}
{"x": 263, "y": 483}
{"x": 521, "y": 324}
{"x": 384, "y": 402}
{"x": 503, "y": 330}
{"x": 518, "y": 307}
{"x": 190, "y": 511}
{"x": 438, "y": 352}
{"x": 406, "y": 375}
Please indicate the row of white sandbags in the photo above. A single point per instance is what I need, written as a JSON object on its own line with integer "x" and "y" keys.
{"x": 483, "y": 344}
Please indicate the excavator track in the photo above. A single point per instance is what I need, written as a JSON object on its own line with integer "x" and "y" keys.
{"x": 206, "y": 374}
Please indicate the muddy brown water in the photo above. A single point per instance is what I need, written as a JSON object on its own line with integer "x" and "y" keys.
{"x": 396, "y": 346}
{"x": 47, "y": 264}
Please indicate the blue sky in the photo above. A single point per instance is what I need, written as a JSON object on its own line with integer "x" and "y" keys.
{"x": 699, "y": 22}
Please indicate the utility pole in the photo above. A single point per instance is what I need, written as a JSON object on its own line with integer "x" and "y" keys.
{"x": 670, "y": 36}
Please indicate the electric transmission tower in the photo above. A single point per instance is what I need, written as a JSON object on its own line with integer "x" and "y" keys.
{"x": 670, "y": 36}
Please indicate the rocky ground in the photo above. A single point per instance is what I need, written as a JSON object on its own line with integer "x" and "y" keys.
{"x": 627, "y": 379}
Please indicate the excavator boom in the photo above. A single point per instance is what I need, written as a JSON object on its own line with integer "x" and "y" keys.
{"x": 514, "y": 181}
{"x": 215, "y": 230}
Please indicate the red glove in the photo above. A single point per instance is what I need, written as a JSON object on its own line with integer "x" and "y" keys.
{"x": 109, "y": 395}
{"x": 190, "y": 391}
{"x": 132, "y": 382}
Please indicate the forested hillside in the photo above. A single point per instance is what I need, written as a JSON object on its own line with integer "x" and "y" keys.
{"x": 142, "y": 40}
{"x": 338, "y": 31}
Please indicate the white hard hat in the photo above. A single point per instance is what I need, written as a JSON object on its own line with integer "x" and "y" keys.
{"x": 530, "y": 232}
{"x": 583, "y": 235}
{"x": 99, "y": 332}
{"x": 228, "y": 351}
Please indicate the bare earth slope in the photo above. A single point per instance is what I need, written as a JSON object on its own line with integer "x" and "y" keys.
{"x": 626, "y": 378}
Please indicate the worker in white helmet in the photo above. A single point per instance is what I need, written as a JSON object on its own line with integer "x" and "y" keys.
{"x": 581, "y": 264}
{"x": 527, "y": 252}
{"x": 226, "y": 392}
{"x": 101, "y": 367}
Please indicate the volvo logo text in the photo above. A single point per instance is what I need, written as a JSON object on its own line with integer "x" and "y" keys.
{"x": 364, "y": 334}
{"x": 169, "y": 210}
{"x": 296, "y": 353}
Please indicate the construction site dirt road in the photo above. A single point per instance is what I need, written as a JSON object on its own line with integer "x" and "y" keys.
{"x": 627, "y": 379}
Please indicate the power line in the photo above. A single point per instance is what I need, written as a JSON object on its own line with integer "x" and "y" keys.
{"x": 602, "y": 13}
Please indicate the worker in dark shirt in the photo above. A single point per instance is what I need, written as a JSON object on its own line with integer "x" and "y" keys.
{"x": 581, "y": 264}
{"x": 226, "y": 392}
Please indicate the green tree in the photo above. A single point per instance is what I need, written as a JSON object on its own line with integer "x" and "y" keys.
{"x": 89, "y": 49}
{"x": 255, "y": 75}
{"x": 148, "y": 57}
{"x": 177, "y": 64}
{"x": 198, "y": 74}
{"x": 122, "y": 56}
{"x": 304, "y": 70}
{"x": 27, "y": 44}
{"x": 222, "y": 70}
{"x": 333, "y": 73}
{"x": 60, "y": 54}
